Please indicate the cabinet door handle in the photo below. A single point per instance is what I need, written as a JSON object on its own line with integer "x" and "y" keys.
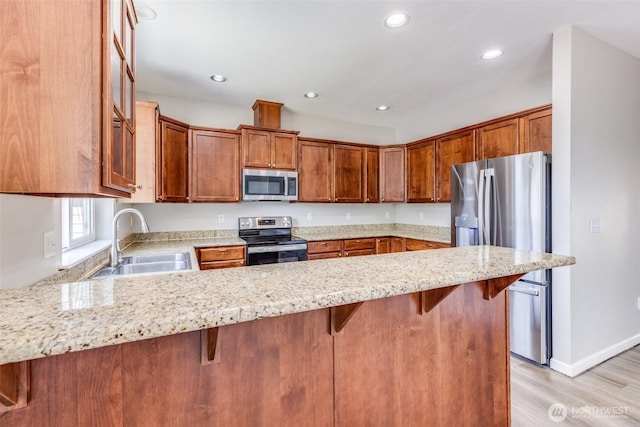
{"x": 223, "y": 250}
{"x": 135, "y": 187}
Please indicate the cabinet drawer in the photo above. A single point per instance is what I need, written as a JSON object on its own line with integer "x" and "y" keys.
{"x": 324, "y": 246}
{"x": 222, "y": 253}
{"x": 420, "y": 245}
{"x": 221, "y": 264}
{"x": 355, "y": 244}
{"x": 360, "y": 252}
{"x": 324, "y": 255}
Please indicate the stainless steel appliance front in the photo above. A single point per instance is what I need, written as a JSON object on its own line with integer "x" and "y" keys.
{"x": 269, "y": 240}
{"x": 268, "y": 184}
{"x": 506, "y": 201}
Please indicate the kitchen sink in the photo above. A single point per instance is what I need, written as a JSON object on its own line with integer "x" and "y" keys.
{"x": 155, "y": 263}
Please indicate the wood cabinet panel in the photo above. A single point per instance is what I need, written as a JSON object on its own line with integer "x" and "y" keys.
{"x": 349, "y": 173}
{"x": 359, "y": 252}
{"x": 355, "y": 244}
{"x": 392, "y": 174}
{"x": 172, "y": 172}
{"x": 383, "y": 245}
{"x": 535, "y": 132}
{"x": 497, "y": 139}
{"x": 56, "y": 126}
{"x": 397, "y": 244}
{"x": 324, "y": 255}
{"x": 266, "y": 149}
{"x": 420, "y": 245}
{"x": 215, "y": 166}
{"x": 147, "y": 135}
{"x": 315, "y": 174}
{"x": 451, "y": 150}
{"x": 421, "y": 172}
{"x": 324, "y": 246}
{"x": 372, "y": 193}
{"x": 420, "y": 362}
{"x": 221, "y": 257}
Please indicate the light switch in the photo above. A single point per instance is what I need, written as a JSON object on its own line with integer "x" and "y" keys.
{"x": 594, "y": 225}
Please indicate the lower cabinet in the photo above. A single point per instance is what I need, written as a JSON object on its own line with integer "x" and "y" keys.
{"x": 420, "y": 245}
{"x": 358, "y": 247}
{"x": 221, "y": 257}
{"x": 324, "y": 249}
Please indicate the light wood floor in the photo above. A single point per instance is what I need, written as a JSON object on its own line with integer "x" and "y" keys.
{"x": 613, "y": 386}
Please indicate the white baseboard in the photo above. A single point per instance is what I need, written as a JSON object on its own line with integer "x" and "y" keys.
{"x": 589, "y": 362}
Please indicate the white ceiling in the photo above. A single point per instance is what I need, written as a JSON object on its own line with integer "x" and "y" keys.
{"x": 278, "y": 50}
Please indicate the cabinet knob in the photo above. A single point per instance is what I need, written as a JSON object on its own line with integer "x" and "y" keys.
{"x": 135, "y": 187}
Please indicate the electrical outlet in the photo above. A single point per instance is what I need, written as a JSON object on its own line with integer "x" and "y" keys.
{"x": 595, "y": 225}
{"x": 387, "y": 215}
{"x": 348, "y": 216}
{"x": 421, "y": 216}
{"x": 49, "y": 244}
{"x": 309, "y": 217}
{"x": 220, "y": 219}
{"x": 638, "y": 303}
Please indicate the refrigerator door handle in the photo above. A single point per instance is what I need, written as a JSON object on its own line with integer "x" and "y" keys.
{"x": 528, "y": 291}
{"x": 481, "y": 224}
{"x": 487, "y": 203}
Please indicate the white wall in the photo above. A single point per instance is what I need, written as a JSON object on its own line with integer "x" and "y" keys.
{"x": 204, "y": 216}
{"x": 23, "y": 222}
{"x": 199, "y": 113}
{"x": 596, "y": 137}
{"x": 438, "y": 214}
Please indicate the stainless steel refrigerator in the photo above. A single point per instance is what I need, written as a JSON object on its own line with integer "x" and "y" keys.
{"x": 506, "y": 201}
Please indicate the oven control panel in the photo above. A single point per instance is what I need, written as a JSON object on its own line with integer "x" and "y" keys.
{"x": 264, "y": 222}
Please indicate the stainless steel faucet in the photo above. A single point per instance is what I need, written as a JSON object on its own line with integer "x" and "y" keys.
{"x": 116, "y": 254}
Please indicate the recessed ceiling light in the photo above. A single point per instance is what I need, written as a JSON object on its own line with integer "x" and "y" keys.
{"x": 382, "y": 107}
{"x": 145, "y": 12}
{"x": 218, "y": 78}
{"x": 396, "y": 20}
{"x": 311, "y": 95}
{"x": 492, "y": 54}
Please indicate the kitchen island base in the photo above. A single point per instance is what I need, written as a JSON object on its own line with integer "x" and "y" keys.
{"x": 393, "y": 363}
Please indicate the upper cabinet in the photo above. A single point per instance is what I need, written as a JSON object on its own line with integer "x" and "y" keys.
{"x": 215, "y": 166}
{"x": 372, "y": 174}
{"x": 392, "y": 174}
{"x": 267, "y": 149}
{"x": 172, "y": 161}
{"x": 421, "y": 172}
{"x": 451, "y": 150}
{"x": 68, "y": 103}
{"x": 315, "y": 172}
{"x": 535, "y": 132}
{"x": 147, "y": 119}
{"x": 349, "y": 173}
{"x": 497, "y": 139}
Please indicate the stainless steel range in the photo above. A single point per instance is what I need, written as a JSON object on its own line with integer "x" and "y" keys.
{"x": 269, "y": 240}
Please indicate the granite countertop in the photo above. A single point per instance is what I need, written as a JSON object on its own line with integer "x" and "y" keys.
{"x": 52, "y": 319}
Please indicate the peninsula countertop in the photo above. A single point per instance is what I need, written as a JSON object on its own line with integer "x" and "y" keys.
{"x": 46, "y": 320}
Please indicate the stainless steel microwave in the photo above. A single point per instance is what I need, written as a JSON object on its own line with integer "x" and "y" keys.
{"x": 269, "y": 184}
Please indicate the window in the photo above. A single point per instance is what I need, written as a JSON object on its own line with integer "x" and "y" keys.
{"x": 77, "y": 222}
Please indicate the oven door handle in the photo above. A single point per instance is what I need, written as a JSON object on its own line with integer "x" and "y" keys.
{"x": 276, "y": 248}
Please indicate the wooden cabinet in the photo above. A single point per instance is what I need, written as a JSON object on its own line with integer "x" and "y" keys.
{"x": 119, "y": 103}
{"x": 215, "y": 165}
{"x": 315, "y": 173}
{"x": 349, "y": 173}
{"x": 359, "y": 247}
{"x": 324, "y": 249}
{"x": 221, "y": 257}
{"x": 265, "y": 149}
{"x": 421, "y": 172}
{"x": 68, "y": 97}
{"x": 392, "y": 174}
{"x": 147, "y": 135}
{"x": 372, "y": 192}
{"x": 397, "y": 244}
{"x": 420, "y": 245}
{"x": 383, "y": 245}
{"x": 172, "y": 163}
{"x": 497, "y": 139}
{"x": 535, "y": 132}
{"x": 451, "y": 150}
